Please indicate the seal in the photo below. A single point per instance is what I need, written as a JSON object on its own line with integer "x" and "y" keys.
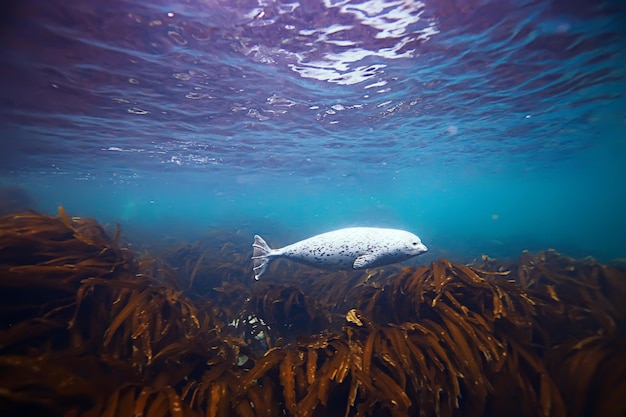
{"x": 343, "y": 249}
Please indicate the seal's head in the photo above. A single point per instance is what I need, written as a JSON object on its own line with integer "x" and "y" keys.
{"x": 413, "y": 245}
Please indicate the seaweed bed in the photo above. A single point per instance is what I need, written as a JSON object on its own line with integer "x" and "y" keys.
{"x": 90, "y": 328}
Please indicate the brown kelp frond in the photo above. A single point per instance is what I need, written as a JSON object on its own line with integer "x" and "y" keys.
{"x": 148, "y": 322}
{"x": 416, "y": 293}
{"x": 472, "y": 323}
{"x": 337, "y": 291}
{"x": 90, "y": 328}
{"x": 57, "y": 242}
{"x": 579, "y": 295}
{"x": 308, "y": 373}
{"x": 56, "y": 384}
{"x": 591, "y": 374}
{"x": 44, "y": 259}
{"x": 372, "y": 370}
{"x": 76, "y": 293}
{"x": 135, "y": 400}
{"x": 286, "y": 310}
{"x": 205, "y": 264}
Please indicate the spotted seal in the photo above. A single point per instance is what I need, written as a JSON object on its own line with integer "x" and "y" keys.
{"x": 343, "y": 249}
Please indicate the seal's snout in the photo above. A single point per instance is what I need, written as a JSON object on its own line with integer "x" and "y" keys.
{"x": 419, "y": 248}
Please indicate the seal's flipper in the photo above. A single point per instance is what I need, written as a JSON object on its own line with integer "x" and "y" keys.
{"x": 260, "y": 256}
{"x": 365, "y": 261}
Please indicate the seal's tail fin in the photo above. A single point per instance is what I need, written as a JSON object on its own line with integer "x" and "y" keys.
{"x": 260, "y": 256}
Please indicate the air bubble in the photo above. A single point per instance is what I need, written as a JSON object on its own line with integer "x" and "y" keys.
{"x": 177, "y": 37}
{"x": 135, "y": 110}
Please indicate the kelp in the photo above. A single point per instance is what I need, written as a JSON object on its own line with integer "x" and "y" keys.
{"x": 88, "y": 327}
{"x": 83, "y": 296}
{"x": 200, "y": 265}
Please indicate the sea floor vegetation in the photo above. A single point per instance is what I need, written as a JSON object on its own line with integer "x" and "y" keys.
{"x": 91, "y": 328}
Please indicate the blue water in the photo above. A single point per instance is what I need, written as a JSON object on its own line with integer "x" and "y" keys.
{"x": 485, "y": 127}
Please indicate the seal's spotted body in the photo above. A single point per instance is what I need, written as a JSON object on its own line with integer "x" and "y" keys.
{"x": 344, "y": 249}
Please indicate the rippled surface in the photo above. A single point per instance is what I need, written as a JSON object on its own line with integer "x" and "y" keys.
{"x": 352, "y": 93}
{"x": 263, "y": 84}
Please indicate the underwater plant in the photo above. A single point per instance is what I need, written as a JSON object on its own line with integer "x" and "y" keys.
{"x": 88, "y": 327}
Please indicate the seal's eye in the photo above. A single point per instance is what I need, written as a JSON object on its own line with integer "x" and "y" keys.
{"x": 414, "y": 243}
